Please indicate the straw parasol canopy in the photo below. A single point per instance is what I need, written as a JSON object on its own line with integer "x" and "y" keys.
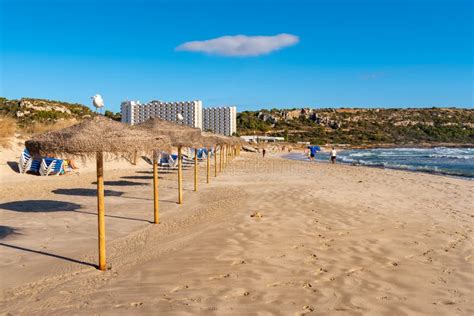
{"x": 180, "y": 135}
{"x": 236, "y": 140}
{"x": 211, "y": 139}
{"x": 98, "y": 134}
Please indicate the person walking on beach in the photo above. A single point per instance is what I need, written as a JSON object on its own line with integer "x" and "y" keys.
{"x": 312, "y": 152}
{"x": 333, "y": 155}
{"x": 263, "y": 153}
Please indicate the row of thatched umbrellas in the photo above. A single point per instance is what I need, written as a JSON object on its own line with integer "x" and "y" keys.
{"x": 100, "y": 136}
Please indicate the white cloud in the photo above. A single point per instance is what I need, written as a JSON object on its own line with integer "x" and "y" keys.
{"x": 240, "y": 45}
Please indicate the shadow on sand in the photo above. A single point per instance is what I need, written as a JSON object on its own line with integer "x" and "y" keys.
{"x": 7, "y": 230}
{"x": 14, "y": 166}
{"x": 116, "y": 216}
{"x": 86, "y": 192}
{"x": 122, "y": 183}
{"x": 161, "y": 171}
{"x": 140, "y": 177}
{"x": 39, "y": 206}
{"x": 48, "y": 254}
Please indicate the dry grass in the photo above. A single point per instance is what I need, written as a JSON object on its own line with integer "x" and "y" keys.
{"x": 7, "y": 130}
{"x": 39, "y": 128}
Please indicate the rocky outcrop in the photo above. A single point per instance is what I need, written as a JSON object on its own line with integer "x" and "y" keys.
{"x": 36, "y": 106}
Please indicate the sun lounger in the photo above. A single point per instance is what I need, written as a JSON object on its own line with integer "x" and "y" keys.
{"x": 51, "y": 166}
{"x": 167, "y": 160}
{"x": 35, "y": 166}
{"x": 25, "y": 161}
{"x": 202, "y": 153}
{"x": 186, "y": 159}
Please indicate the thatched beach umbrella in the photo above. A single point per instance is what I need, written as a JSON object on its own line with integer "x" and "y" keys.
{"x": 237, "y": 142}
{"x": 220, "y": 142}
{"x": 211, "y": 141}
{"x": 94, "y": 137}
{"x": 180, "y": 136}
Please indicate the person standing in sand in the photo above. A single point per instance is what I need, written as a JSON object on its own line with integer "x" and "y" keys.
{"x": 333, "y": 155}
{"x": 263, "y": 152}
{"x": 312, "y": 152}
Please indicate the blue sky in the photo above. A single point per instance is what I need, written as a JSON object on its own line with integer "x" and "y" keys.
{"x": 338, "y": 53}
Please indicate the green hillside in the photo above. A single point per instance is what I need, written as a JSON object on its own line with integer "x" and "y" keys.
{"x": 29, "y": 110}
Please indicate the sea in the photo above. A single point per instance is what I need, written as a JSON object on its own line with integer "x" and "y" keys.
{"x": 457, "y": 162}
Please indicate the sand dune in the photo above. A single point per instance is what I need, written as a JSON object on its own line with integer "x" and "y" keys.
{"x": 327, "y": 240}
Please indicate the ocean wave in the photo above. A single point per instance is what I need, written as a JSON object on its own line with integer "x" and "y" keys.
{"x": 440, "y": 160}
{"x": 447, "y": 156}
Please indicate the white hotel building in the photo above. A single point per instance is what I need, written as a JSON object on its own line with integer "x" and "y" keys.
{"x": 220, "y": 120}
{"x": 133, "y": 112}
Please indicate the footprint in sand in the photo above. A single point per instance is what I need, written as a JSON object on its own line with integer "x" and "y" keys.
{"x": 309, "y": 286}
{"x": 274, "y": 284}
{"x": 306, "y": 310}
{"x": 256, "y": 215}
{"x": 136, "y": 304}
{"x": 219, "y": 277}
{"x": 321, "y": 271}
{"x": 354, "y": 270}
{"x": 178, "y": 288}
{"x": 238, "y": 292}
{"x": 298, "y": 246}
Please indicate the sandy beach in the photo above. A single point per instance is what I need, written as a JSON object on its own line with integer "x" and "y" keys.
{"x": 265, "y": 237}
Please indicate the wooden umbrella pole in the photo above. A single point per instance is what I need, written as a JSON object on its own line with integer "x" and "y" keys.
{"x": 180, "y": 176}
{"x": 225, "y": 156}
{"x": 208, "y": 170}
{"x": 215, "y": 161}
{"x": 134, "y": 162}
{"x": 100, "y": 209}
{"x": 221, "y": 163}
{"x": 155, "y": 189}
{"x": 195, "y": 169}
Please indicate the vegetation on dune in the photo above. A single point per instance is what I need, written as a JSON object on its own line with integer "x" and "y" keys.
{"x": 43, "y": 127}
{"x": 114, "y": 116}
{"x": 28, "y": 110}
{"x": 7, "y": 130}
{"x": 362, "y": 126}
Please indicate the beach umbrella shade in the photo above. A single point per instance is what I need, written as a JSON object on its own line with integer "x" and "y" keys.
{"x": 93, "y": 138}
{"x": 211, "y": 141}
{"x": 180, "y": 136}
